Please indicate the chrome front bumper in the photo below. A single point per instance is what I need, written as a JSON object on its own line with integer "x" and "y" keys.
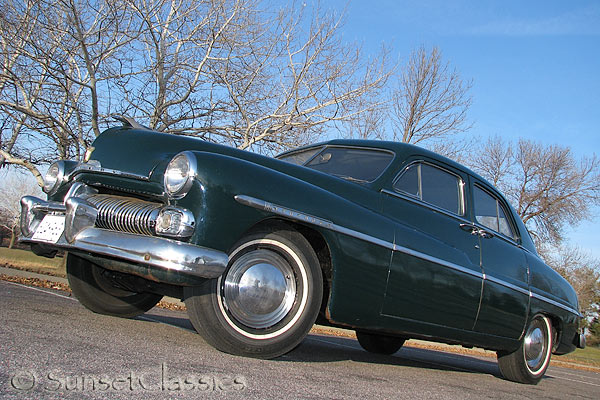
{"x": 81, "y": 235}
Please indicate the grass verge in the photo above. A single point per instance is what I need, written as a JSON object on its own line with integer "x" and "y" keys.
{"x": 27, "y": 261}
{"x": 589, "y": 356}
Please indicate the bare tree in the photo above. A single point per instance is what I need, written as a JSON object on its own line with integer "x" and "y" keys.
{"x": 583, "y": 273}
{"x": 53, "y": 56}
{"x": 13, "y": 186}
{"x": 168, "y": 83}
{"x": 431, "y": 101}
{"x": 368, "y": 125}
{"x": 547, "y": 185}
{"x": 371, "y": 122}
{"x": 247, "y": 77}
{"x": 97, "y": 34}
{"x": 21, "y": 85}
{"x": 315, "y": 80}
{"x": 231, "y": 71}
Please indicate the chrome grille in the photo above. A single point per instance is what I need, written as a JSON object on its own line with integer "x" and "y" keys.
{"x": 125, "y": 214}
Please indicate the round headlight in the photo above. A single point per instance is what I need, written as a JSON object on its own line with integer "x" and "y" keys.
{"x": 54, "y": 177}
{"x": 180, "y": 174}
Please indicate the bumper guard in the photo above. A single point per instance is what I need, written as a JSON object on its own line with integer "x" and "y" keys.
{"x": 80, "y": 235}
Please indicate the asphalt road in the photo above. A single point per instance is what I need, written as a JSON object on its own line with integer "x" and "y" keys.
{"x": 52, "y": 347}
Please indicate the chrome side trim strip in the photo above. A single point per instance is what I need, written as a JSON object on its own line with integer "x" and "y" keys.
{"x": 555, "y": 303}
{"x": 439, "y": 261}
{"x": 304, "y": 217}
{"x": 516, "y": 288}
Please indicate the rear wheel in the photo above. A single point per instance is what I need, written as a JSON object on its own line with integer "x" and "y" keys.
{"x": 379, "y": 344}
{"x": 529, "y": 362}
{"x": 266, "y": 301}
{"x": 94, "y": 288}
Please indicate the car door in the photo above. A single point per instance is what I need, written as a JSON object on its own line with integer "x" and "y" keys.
{"x": 505, "y": 296}
{"x": 435, "y": 275}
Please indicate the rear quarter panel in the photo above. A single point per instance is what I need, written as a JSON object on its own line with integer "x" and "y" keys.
{"x": 553, "y": 296}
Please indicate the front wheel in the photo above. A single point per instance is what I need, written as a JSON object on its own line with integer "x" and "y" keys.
{"x": 93, "y": 287}
{"x": 529, "y": 362}
{"x": 266, "y": 301}
{"x": 379, "y": 344}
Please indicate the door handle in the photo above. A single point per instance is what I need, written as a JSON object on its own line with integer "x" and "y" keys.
{"x": 485, "y": 234}
{"x": 474, "y": 230}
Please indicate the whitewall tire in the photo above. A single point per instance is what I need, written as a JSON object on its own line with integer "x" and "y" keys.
{"x": 266, "y": 301}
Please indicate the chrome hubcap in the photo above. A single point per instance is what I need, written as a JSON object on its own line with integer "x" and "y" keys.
{"x": 259, "y": 289}
{"x": 535, "y": 347}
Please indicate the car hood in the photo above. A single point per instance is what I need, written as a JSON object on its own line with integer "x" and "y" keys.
{"x": 145, "y": 152}
{"x": 141, "y": 151}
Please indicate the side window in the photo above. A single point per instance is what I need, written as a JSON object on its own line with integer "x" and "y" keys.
{"x": 408, "y": 182}
{"x": 490, "y": 213}
{"x": 432, "y": 185}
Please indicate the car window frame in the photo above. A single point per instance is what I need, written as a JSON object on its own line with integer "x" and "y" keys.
{"x": 462, "y": 189}
{"x": 507, "y": 211}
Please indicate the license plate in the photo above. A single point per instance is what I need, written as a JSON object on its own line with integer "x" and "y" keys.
{"x": 50, "y": 229}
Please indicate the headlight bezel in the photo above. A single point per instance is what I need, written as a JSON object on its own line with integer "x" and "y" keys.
{"x": 54, "y": 177}
{"x": 178, "y": 190}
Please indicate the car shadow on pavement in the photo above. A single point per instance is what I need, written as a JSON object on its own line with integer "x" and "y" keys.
{"x": 321, "y": 348}
{"x": 168, "y": 317}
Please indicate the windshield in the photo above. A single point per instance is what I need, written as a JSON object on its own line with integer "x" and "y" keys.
{"x": 353, "y": 164}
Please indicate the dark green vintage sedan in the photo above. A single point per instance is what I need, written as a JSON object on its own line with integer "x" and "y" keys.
{"x": 387, "y": 239}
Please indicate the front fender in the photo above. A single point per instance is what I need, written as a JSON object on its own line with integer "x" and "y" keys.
{"x": 223, "y": 219}
{"x": 359, "y": 238}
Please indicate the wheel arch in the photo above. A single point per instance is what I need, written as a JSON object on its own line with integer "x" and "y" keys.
{"x": 557, "y": 330}
{"x": 564, "y": 325}
{"x": 316, "y": 240}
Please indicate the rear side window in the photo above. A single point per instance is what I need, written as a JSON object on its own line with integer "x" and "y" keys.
{"x": 432, "y": 185}
{"x": 491, "y": 213}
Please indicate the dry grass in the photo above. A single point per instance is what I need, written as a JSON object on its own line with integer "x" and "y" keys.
{"x": 65, "y": 288}
{"x": 27, "y": 261}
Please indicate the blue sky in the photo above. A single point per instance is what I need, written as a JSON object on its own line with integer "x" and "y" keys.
{"x": 535, "y": 65}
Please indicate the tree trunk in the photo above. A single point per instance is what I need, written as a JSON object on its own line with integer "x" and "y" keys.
{"x": 13, "y": 237}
